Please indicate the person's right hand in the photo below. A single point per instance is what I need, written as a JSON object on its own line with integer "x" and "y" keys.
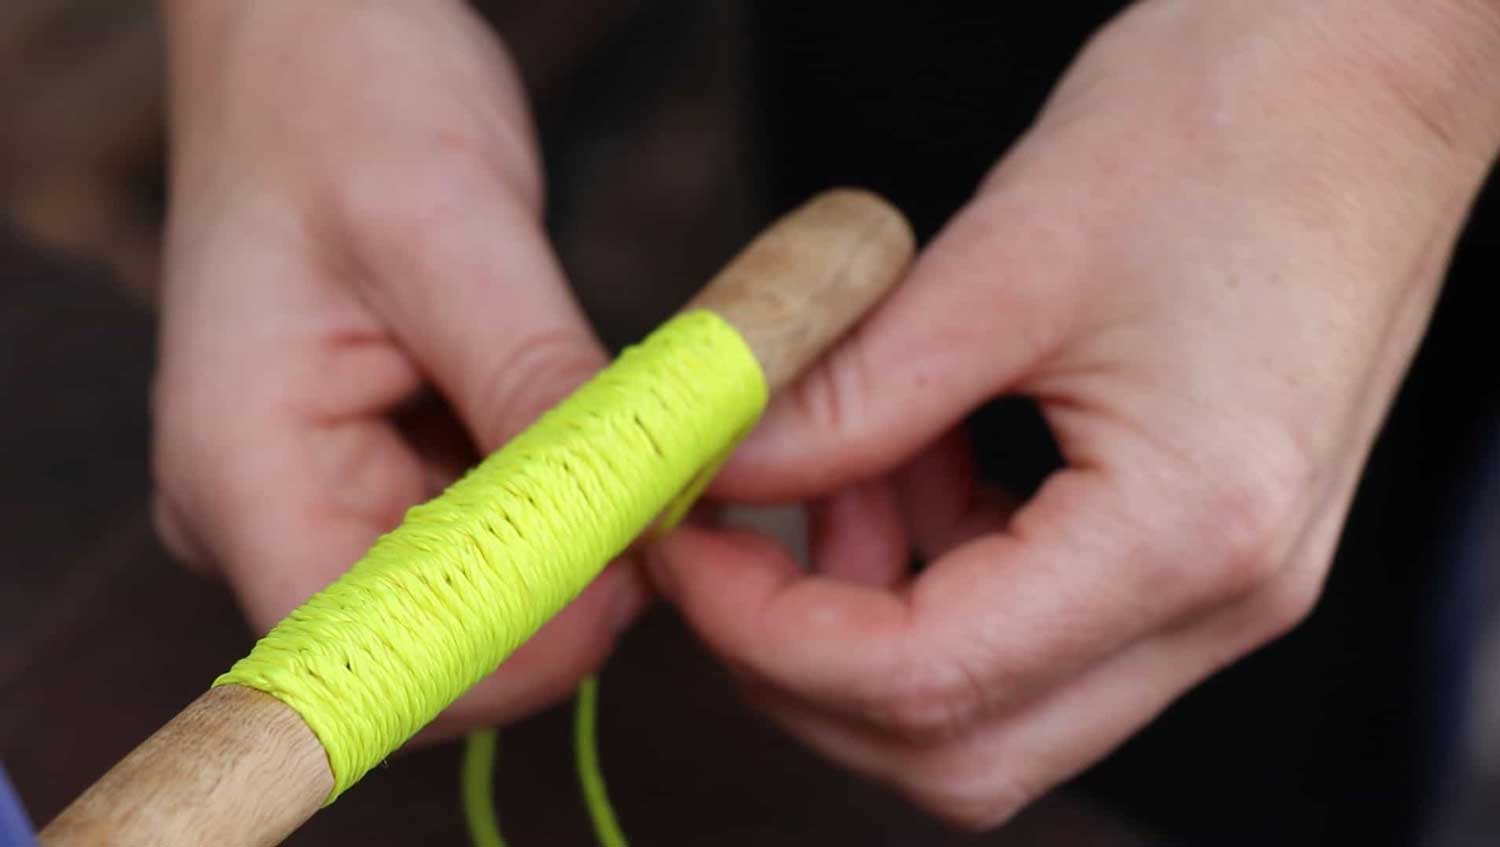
{"x": 355, "y": 214}
{"x": 1209, "y": 263}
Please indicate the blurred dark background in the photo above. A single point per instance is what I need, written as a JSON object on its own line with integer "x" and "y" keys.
{"x": 672, "y": 131}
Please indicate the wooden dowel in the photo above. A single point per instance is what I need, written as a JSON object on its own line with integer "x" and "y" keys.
{"x": 237, "y": 767}
{"x": 808, "y": 279}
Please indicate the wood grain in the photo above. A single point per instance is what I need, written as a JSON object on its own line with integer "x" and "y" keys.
{"x": 236, "y": 767}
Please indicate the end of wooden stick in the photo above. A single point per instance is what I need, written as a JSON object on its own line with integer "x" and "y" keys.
{"x": 808, "y": 279}
{"x": 235, "y": 767}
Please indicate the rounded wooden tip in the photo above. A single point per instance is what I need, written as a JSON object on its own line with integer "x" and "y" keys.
{"x": 808, "y": 279}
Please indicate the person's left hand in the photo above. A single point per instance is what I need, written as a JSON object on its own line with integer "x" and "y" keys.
{"x": 1209, "y": 263}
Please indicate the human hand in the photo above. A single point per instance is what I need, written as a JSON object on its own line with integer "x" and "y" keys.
{"x": 355, "y": 216}
{"x": 1209, "y": 263}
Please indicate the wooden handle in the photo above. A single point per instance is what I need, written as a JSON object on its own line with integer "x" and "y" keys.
{"x": 239, "y": 767}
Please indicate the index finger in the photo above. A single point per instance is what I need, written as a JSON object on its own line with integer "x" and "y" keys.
{"x": 1097, "y": 560}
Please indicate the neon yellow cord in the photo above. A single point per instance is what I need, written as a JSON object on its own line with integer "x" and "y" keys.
{"x": 439, "y": 603}
{"x": 479, "y": 747}
{"x": 586, "y": 745}
{"x": 478, "y": 789}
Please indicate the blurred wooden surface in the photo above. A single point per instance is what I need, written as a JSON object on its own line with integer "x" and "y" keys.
{"x": 642, "y": 108}
{"x": 81, "y": 103}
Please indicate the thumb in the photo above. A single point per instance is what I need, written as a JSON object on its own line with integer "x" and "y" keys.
{"x": 975, "y": 312}
{"x": 479, "y": 299}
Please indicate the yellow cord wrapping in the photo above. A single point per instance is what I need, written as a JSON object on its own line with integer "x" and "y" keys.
{"x": 440, "y": 602}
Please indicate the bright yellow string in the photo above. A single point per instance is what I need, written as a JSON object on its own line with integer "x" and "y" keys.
{"x": 477, "y": 781}
{"x": 590, "y": 776}
{"x": 440, "y": 602}
{"x": 477, "y": 777}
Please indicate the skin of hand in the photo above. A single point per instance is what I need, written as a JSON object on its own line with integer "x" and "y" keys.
{"x": 355, "y": 230}
{"x": 1209, "y": 262}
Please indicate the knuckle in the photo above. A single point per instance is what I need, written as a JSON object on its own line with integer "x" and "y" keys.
{"x": 170, "y": 425}
{"x": 167, "y": 522}
{"x": 931, "y": 705}
{"x": 921, "y": 717}
{"x": 539, "y": 369}
{"x": 187, "y": 466}
{"x": 1288, "y": 605}
{"x": 836, "y": 402}
{"x": 406, "y": 216}
{"x": 170, "y": 521}
{"x": 396, "y": 240}
{"x": 1244, "y": 517}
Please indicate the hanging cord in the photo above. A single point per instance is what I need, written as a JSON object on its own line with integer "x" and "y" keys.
{"x": 477, "y": 785}
{"x": 477, "y": 777}
{"x": 586, "y": 747}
